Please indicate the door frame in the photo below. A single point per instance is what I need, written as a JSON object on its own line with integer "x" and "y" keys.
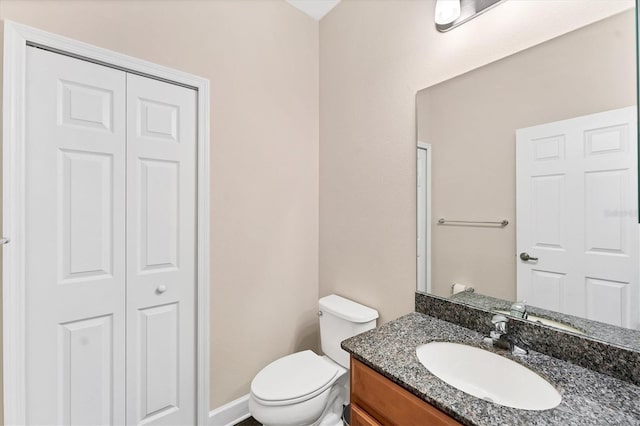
{"x": 427, "y": 215}
{"x": 17, "y": 38}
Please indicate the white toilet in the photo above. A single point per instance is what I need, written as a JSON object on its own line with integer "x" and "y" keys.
{"x": 306, "y": 389}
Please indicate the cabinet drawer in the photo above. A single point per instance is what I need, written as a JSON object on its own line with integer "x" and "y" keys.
{"x": 390, "y": 404}
{"x": 359, "y": 417}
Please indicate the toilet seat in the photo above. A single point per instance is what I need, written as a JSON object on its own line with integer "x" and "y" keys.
{"x": 294, "y": 378}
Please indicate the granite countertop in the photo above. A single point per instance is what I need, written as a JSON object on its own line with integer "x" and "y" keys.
{"x": 588, "y": 397}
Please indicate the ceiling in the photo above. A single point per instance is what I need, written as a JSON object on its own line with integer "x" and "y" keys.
{"x": 314, "y": 8}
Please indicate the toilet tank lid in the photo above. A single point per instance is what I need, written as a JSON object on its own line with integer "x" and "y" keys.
{"x": 347, "y": 309}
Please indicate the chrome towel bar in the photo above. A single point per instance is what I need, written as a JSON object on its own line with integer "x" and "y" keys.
{"x": 502, "y": 223}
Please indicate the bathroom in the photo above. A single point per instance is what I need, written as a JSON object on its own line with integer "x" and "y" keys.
{"x": 312, "y": 150}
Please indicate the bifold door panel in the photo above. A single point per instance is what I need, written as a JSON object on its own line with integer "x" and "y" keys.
{"x": 75, "y": 235}
{"x": 110, "y": 245}
{"x": 161, "y": 199}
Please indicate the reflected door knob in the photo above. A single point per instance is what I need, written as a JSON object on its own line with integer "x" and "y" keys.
{"x": 161, "y": 288}
{"x": 525, "y": 256}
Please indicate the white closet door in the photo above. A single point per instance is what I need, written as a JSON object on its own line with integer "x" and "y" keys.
{"x": 161, "y": 200}
{"x": 75, "y": 226}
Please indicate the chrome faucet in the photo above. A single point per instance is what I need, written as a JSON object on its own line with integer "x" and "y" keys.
{"x": 519, "y": 310}
{"x": 501, "y": 338}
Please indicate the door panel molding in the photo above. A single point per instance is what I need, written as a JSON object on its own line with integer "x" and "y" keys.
{"x": 17, "y": 38}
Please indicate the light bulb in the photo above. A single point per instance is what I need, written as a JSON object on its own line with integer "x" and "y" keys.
{"x": 447, "y": 11}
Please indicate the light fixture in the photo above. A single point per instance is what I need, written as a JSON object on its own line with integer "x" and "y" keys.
{"x": 447, "y": 11}
{"x": 452, "y": 13}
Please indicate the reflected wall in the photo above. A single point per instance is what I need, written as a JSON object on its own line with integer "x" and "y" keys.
{"x": 470, "y": 122}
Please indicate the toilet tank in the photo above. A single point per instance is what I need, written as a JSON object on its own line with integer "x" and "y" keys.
{"x": 340, "y": 319}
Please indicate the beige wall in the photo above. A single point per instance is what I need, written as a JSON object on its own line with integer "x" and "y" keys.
{"x": 470, "y": 122}
{"x": 262, "y": 60}
{"x": 374, "y": 57}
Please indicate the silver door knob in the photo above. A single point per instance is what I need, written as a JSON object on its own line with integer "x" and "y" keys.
{"x": 525, "y": 256}
{"x": 161, "y": 288}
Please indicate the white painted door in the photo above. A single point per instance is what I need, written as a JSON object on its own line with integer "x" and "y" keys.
{"x": 75, "y": 236}
{"x": 111, "y": 240}
{"x": 577, "y": 198}
{"x": 423, "y": 222}
{"x": 161, "y": 226}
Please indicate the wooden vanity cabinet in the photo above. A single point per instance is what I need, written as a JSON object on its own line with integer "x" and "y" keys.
{"x": 376, "y": 401}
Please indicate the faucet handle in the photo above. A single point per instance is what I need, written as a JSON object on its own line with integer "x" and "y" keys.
{"x": 517, "y": 345}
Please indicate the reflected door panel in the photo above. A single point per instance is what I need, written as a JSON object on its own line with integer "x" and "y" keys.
{"x": 576, "y": 198}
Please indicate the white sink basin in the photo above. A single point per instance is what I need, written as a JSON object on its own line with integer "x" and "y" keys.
{"x": 488, "y": 376}
{"x": 545, "y": 321}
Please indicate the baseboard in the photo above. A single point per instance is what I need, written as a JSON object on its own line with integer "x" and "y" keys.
{"x": 230, "y": 413}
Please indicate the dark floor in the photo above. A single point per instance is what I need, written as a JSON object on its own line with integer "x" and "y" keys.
{"x": 253, "y": 422}
{"x": 249, "y": 422}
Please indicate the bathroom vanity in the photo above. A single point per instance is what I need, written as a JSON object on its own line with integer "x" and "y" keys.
{"x": 376, "y": 400}
{"x": 517, "y": 234}
{"x": 386, "y": 373}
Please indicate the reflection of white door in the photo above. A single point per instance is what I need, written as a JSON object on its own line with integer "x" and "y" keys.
{"x": 423, "y": 222}
{"x": 110, "y": 246}
{"x": 577, "y": 195}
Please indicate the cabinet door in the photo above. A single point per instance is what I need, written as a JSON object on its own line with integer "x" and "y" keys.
{"x": 161, "y": 201}
{"x": 75, "y": 237}
{"x": 389, "y": 403}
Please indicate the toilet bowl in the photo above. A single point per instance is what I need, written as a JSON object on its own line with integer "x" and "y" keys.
{"x": 299, "y": 389}
{"x": 306, "y": 389}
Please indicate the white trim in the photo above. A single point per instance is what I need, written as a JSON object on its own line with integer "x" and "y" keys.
{"x": 230, "y": 413}
{"x": 427, "y": 148}
{"x": 16, "y": 37}
{"x": 13, "y": 293}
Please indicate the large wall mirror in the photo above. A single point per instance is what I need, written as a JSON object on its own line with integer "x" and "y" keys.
{"x": 528, "y": 183}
